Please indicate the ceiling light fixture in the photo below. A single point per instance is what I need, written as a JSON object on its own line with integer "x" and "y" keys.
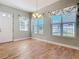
{"x": 36, "y": 14}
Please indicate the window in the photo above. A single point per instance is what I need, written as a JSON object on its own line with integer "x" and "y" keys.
{"x": 41, "y": 25}
{"x": 56, "y": 25}
{"x": 64, "y": 22}
{"x": 69, "y": 22}
{"x": 69, "y": 29}
{"x": 38, "y": 25}
{"x": 56, "y": 30}
{"x": 35, "y": 26}
{"x": 23, "y": 24}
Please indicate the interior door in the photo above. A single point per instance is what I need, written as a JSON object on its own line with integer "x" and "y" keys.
{"x": 5, "y": 27}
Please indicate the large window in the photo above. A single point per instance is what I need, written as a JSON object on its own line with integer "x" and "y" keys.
{"x": 64, "y": 24}
{"x": 41, "y": 25}
{"x": 38, "y": 25}
{"x": 23, "y": 23}
{"x": 56, "y": 25}
{"x": 69, "y": 22}
{"x": 35, "y": 26}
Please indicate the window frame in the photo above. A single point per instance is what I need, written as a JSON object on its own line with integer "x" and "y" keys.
{"x": 25, "y": 21}
{"x": 56, "y": 23}
{"x": 33, "y": 21}
{"x": 53, "y": 28}
{"x": 67, "y": 28}
{"x": 61, "y": 12}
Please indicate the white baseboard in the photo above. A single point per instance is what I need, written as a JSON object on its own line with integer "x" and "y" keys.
{"x": 60, "y": 44}
{"x": 22, "y": 39}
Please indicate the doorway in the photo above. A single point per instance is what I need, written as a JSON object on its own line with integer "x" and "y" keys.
{"x": 6, "y": 27}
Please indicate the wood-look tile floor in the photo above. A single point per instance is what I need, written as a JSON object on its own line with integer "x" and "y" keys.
{"x": 33, "y": 49}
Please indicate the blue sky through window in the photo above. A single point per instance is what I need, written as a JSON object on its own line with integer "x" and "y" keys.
{"x": 56, "y": 19}
{"x": 38, "y": 25}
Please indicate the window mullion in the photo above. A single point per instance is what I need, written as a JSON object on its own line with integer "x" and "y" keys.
{"x": 61, "y": 26}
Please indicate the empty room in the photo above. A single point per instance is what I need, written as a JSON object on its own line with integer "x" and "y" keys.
{"x": 39, "y": 29}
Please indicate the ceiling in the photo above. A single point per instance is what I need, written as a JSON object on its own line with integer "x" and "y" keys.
{"x": 27, "y": 5}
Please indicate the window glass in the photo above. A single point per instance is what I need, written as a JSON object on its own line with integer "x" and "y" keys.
{"x": 69, "y": 21}
{"x": 64, "y": 22}
{"x": 35, "y": 27}
{"x": 69, "y": 29}
{"x": 38, "y": 25}
{"x": 56, "y": 25}
{"x": 69, "y": 16}
{"x": 56, "y": 19}
{"x": 23, "y": 22}
{"x": 41, "y": 25}
{"x": 56, "y": 29}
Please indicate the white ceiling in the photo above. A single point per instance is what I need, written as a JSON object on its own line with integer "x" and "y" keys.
{"x": 27, "y": 5}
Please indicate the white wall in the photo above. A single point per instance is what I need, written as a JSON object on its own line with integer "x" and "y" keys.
{"x": 17, "y": 34}
{"x": 5, "y": 27}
